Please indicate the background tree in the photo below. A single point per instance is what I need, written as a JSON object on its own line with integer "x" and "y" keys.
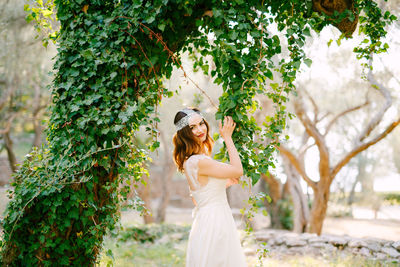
{"x": 327, "y": 169}
{"x": 24, "y": 64}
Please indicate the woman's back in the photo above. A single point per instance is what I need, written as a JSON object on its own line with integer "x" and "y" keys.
{"x": 212, "y": 193}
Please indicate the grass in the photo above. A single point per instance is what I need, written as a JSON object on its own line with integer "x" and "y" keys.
{"x": 162, "y": 245}
{"x": 157, "y": 255}
{"x": 165, "y": 245}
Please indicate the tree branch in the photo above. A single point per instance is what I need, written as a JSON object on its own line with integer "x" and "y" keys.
{"x": 304, "y": 149}
{"x": 338, "y": 116}
{"x": 378, "y": 116}
{"x": 390, "y": 72}
{"x": 8, "y": 126}
{"x": 5, "y": 96}
{"x": 323, "y": 116}
{"x": 315, "y": 106}
{"x": 312, "y": 130}
{"x": 296, "y": 163}
{"x": 362, "y": 147}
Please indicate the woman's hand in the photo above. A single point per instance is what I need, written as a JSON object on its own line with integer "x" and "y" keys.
{"x": 227, "y": 130}
{"x": 233, "y": 169}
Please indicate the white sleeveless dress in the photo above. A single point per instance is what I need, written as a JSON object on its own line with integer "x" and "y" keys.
{"x": 213, "y": 239}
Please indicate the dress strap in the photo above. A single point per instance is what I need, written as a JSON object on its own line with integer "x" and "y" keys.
{"x": 192, "y": 168}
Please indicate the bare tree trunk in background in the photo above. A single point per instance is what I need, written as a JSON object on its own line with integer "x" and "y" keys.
{"x": 144, "y": 194}
{"x": 37, "y": 140}
{"x": 275, "y": 191}
{"x": 319, "y": 208}
{"x": 327, "y": 170}
{"x": 365, "y": 177}
{"x": 165, "y": 188}
{"x": 301, "y": 212}
{"x": 167, "y": 172}
{"x": 361, "y": 165}
{"x": 351, "y": 198}
{"x": 5, "y": 96}
{"x": 8, "y": 144}
{"x": 278, "y": 192}
{"x": 10, "y": 151}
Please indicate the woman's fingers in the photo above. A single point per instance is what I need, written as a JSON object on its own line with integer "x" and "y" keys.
{"x": 229, "y": 124}
{"x": 226, "y": 129}
{"x": 227, "y": 120}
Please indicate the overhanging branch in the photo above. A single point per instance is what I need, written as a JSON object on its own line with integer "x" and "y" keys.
{"x": 363, "y": 147}
{"x": 338, "y": 116}
{"x": 379, "y": 115}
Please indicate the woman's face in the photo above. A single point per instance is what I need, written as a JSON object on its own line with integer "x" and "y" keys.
{"x": 198, "y": 127}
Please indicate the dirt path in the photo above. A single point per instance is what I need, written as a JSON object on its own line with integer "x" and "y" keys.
{"x": 382, "y": 229}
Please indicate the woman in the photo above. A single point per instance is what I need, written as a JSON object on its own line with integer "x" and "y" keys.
{"x": 213, "y": 239}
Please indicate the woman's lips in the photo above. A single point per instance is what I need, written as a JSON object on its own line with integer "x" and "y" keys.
{"x": 201, "y": 135}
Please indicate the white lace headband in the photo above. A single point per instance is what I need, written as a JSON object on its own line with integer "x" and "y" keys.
{"x": 182, "y": 123}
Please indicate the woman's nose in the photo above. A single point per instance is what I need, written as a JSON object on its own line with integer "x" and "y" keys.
{"x": 197, "y": 130}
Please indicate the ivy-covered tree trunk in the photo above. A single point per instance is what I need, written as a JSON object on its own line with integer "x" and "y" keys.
{"x": 66, "y": 198}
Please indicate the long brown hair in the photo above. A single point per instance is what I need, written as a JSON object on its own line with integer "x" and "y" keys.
{"x": 185, "y": 143}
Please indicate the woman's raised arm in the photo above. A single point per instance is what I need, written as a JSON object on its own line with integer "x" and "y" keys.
{"x": 213, "y": 168}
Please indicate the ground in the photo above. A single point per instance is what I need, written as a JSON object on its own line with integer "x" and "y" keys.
{"x": 168, "y": 249}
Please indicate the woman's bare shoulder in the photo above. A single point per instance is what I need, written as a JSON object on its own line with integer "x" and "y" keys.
{"x": 194, "y": 159}
{"x": 197, "y": 157}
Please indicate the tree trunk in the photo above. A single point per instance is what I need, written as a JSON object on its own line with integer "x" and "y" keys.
{"x": 10, "y": 151}
{"x": 301, "y": 212}
{"x": 347, "y": 26}
{"x": 361, "y": 164}
{"x": 144, "y": 194}
{"x": 274, "y": 188}
{"x": 350, "y": 200}
{"x": 319, "y": 207}
{"x": 166, "y": 178}
{"x": 367, "y": 184}
{"x": 37, "y": 140}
